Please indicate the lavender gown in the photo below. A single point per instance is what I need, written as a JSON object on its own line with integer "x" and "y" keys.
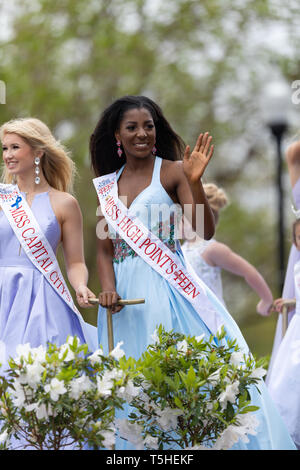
{"x": 30, "y": 310}
{"x": 289, "y": 285}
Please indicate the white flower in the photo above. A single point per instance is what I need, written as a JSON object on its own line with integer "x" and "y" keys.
{"x": 132, "y": 432}
{"x": 109, "y": 438}
{"x": 182, "y": 346}
{"x": 32, "y": 375}
{"x": 237, "y": 358}
{"x": 25, "y": 350}
{"x": 95, "y": 358}
{"x": 247, "y": 424}
{"x": 117, "y": 353}
{"x": 43, "y": 411}
{"x": 22, "y": 350}
{"x": 258, "y": 373}
{"x": 55, "y": 388}
{"x": 214, "y": 378}
{"x": 155, "y": 337}
{"x": 3, "y": 437}
{"x": 220, "y": 330}
{"x": 129, "y": 392}
{"x": 229, "y": 394}
{"x": 114, "y": 374}
{"x": 79, "y": 385}
{"x": 228, "y": 438}
{"x": 70, "y": 356}
{"x": 104, "y": 386}
{"x": 167, "y": 419}
{"x": 39, "y": 354}
{"x": 31, "y": 407}
{"x": 18, "y": 394}
{"x": 151, "y": 442}
{"x": 70, "y": 340}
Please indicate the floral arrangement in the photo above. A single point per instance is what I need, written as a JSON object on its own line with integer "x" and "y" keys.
{"x": 183, "y": 393}
{"x": 61, "y": 397}
{"x": 194, "y": 394}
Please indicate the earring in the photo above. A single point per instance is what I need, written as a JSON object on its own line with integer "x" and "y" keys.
{"x": 120, "y": 151}
{"x": 37, "y": 170}
{"x": 154, "y": 150}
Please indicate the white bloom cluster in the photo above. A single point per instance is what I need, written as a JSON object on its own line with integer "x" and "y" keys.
{"x": 229, "y": 394}
{"x": 55, "y": 388}
{"x": 131, "y": 432}
{"x": 96, "y": 358}
{"x": 129, "y": 392}
{"x": 3, "y": 437}
{"x": 80, "y": 385}
{"x": 167, "y": 418}
{"x": 106, "y": 383}
{"x": 117, "y": 352}
{"x": 182, "y": 346}
{"x": 247, "y": 424}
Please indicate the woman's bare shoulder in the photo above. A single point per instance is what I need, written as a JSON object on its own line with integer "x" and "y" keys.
{"x": 172, "y": 169}
{"x": 64, "y": 205}
{"x": 293, "y": 153}
{"x": 62, "y": 197}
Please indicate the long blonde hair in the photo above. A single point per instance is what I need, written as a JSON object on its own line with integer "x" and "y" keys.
{"x": 56, "y": 163}
{"x": 216, "y": 196}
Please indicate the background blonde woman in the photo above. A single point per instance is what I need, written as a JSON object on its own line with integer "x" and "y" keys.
{"x": 30, "y": 308}
{"x": 208, "y": 258}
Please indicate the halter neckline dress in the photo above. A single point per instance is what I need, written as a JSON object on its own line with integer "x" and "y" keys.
{"x": 30, "y": 310}
{"x": 135, "y": 324}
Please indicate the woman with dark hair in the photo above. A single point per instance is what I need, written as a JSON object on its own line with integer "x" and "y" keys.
{"x": 139, "y": 254}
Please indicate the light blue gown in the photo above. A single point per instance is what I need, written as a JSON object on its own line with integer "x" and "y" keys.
{"x": 30, "y": 310}
{"x": 135, "y": 324}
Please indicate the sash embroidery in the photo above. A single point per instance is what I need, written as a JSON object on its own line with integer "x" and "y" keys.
{"x": 33, "y": 240}
{"x": 153, "y": 251}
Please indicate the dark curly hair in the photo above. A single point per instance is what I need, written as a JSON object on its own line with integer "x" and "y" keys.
{"x": 103, "y": 150}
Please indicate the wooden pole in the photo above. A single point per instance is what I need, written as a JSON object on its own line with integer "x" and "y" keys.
{"x": 110, "y": 332}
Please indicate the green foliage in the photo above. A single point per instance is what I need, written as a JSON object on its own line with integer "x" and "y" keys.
{"x": 60, "y": 398}
{"x": 193, "y": 393}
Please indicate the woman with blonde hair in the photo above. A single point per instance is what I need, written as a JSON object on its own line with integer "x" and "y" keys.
{"x": 208, "y": 258}
{"x": 37, "y": 214}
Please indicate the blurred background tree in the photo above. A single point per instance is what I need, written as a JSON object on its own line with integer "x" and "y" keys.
{"x": 205, "y": 63}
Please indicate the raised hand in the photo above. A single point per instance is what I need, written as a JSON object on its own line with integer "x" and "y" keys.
{"x": 194, "y": 163}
